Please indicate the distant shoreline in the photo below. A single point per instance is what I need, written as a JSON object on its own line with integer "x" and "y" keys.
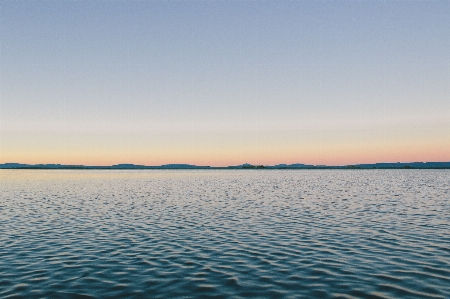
{"x": 398, "y": 165}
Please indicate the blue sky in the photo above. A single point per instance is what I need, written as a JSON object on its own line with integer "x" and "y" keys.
{"x": 224, "y": 82}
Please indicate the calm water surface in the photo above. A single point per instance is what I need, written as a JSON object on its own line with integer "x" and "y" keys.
{"x": 225, "y": 234}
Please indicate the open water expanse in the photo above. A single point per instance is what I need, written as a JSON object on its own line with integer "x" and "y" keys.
{"x": 225, "y": 234}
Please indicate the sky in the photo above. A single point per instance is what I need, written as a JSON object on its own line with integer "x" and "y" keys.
{"x": 224, "y": 82}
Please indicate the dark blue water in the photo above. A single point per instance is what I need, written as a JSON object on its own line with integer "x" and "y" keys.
{"x": 225, "y": 234}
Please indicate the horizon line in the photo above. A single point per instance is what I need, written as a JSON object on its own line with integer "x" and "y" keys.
{"x": 244, "y": 165}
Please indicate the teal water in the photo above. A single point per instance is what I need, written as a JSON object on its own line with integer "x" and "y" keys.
{"x": 225, "y": 234}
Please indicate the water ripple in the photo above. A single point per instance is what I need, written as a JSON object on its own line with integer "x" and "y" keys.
{"x": 225, "y": 234}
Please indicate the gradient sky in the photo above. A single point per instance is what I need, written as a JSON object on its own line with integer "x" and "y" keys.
{"x": 224, "y": 82}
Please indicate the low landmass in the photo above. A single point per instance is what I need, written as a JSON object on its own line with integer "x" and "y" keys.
{"x": 397, "y": 165}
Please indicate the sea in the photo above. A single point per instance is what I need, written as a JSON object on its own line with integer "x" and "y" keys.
{"x": 225, "y": 233}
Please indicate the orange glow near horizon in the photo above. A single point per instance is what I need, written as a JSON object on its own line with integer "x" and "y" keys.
{"x": 314, "y": 155}
{"x": 316, "y": 147}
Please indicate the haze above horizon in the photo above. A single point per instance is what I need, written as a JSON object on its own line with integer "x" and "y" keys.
{"x": 218, "y": 83}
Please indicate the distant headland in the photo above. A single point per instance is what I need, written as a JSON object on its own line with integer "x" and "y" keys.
{"x": 397, "y": 165}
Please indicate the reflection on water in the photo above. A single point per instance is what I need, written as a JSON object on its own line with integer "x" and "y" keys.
{"x": 225, "y": 234}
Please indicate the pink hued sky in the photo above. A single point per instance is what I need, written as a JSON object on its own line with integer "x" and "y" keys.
{"x": 224, "y": 82}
